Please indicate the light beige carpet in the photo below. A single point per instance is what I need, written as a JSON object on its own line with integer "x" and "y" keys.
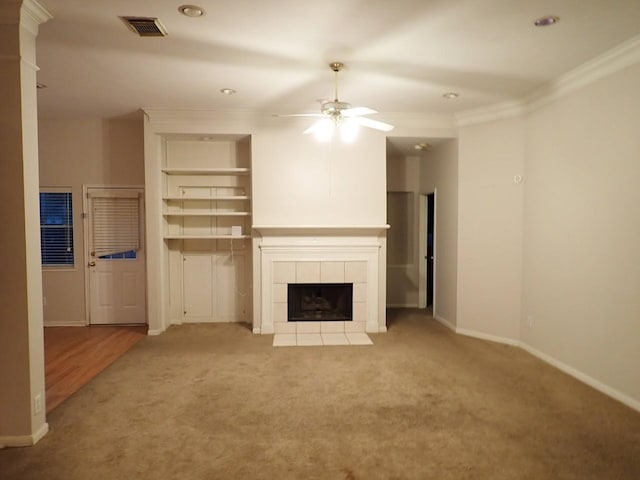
{"x": 216, "y": 402}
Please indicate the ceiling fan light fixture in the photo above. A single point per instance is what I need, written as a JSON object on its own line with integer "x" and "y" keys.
{"x": 349, "y": 129}
{"x": 323, "y": 130}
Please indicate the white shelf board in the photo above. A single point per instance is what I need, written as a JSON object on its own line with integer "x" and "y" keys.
{"x": 229, "y": 197}
{"x": 205, "y": 237}
{"x": 206, "y": 171}
{"x": 206, "y": 214}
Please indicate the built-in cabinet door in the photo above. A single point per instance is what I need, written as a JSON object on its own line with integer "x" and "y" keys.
{"x": 230, "y": 283}
{"x": 213, "y": 288}
{"x": 198, "y": 285}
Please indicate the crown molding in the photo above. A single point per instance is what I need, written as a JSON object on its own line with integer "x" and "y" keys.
{"x": 33, "y": 15}
{"x": 610, "y": 62}
{"x": 493, "y": 112}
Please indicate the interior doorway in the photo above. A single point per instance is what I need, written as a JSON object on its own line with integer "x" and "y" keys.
{"x": 115, "y": 259}
{"x": 429, "y": 256}
{"x": 427, "y": 251}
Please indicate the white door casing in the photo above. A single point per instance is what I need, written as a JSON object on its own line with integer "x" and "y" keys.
{"x": 115, "y": 280}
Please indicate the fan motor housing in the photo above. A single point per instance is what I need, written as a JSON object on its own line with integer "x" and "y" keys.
{"x": 334, "y": 108}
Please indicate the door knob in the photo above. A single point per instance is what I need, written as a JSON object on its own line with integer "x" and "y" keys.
{"x": 92, "y": 263}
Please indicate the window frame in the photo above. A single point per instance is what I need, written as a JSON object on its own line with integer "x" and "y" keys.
{"x": 60, "y": 266}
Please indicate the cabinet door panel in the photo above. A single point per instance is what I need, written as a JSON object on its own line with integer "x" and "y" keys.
{"x": 198, "y": 286}
{"x": 230, "y": 288}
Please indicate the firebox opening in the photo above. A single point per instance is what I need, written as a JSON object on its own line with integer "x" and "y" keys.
{"x": 320, "y": 302}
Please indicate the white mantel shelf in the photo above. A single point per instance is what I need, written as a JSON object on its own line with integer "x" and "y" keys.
{"x": 326, "y": 230}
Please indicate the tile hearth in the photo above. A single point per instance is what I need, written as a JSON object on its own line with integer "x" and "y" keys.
{"x": 320, "y": 339}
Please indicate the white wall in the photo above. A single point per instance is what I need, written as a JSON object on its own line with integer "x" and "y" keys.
{"x": 490, "y": 209}
{"x": 582, "y": 231}
{"x": 299, "y": 181}
{"x": 439, "y": 171}
{"x": 81, "y": 152}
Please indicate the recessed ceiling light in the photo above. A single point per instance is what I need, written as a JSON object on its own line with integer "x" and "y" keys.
{"x": 191, "y": 11}
{"x": 227, "y": 91}
{"x": 421, "y": 146}
{"x": 450, "y": 95}
{"x": 546, "y": 21}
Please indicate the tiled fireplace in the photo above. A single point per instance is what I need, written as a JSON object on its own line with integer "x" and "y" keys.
{"x": 298, "y": 256}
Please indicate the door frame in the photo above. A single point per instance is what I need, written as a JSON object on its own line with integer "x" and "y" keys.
{"x": 422, "y": 249}
{"x": 87, "y": 257}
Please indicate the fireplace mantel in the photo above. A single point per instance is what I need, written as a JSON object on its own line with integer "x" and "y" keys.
{"x": 320, "y": 230}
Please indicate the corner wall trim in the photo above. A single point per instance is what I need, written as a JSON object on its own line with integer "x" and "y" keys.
{"x": 445, "y": 322}
{"x": 24, "y": 440}
{"x": 485, "y": 336}
{"x": 583, "y": 377}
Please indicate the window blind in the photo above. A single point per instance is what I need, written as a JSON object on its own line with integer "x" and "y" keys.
{"x": 115, "y": 225}
{"x": 56, "y": 228}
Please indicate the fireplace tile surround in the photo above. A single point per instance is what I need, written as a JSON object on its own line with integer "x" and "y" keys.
{"x": 353, "y": 255}
{"x": 285, "y": 273}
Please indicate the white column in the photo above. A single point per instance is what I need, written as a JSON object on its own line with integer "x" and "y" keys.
{"x": 22, "y": 391}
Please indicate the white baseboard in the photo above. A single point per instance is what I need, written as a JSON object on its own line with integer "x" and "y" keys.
{"x": 583, "y": 377}
{"x": 485, "y": 336}
{"x": 155, "y": 331}
{"x": 445, "y": 322}
{"x": 256, "y": 331}
{"x": 24, "y": 440}
{"x": 64, "y": 324}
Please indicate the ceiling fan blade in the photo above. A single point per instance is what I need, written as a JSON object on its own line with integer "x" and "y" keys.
{"x": 313, "y": 127}
{"x": 298, "y": 115}
{"x": 357, "y": 111}
{"x": 367, "y": 122}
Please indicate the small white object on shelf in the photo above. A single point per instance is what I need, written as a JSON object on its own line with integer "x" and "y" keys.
{"x": 236, "y": 230}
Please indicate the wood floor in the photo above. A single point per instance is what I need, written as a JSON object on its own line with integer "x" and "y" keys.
{"x": 75, "y": 355}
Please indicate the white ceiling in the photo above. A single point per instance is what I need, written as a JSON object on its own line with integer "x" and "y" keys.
{"x": 400, "y": 56}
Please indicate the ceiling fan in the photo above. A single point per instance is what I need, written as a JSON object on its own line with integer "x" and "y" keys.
{"x": 341, "y": 116}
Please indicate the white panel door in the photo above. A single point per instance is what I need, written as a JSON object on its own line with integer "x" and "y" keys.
{"x": 198, "y": 301}
{"x": 117, "y": 289}
{"x": 230, "y": 285}
{"x": 213, "y": 287}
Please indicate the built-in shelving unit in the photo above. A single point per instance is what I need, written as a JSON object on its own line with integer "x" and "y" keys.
{"x": 206, "y": 226}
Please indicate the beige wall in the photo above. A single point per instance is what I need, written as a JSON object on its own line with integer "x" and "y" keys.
{"x": 439, "y": 172}
{"x": 81, "y": 152}
{"x": 403, "y": 175}
{"x": 582, "y": 231}
{"x": 490, "y": 209}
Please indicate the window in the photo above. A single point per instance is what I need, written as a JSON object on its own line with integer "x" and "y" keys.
{"x": 56, "y": 228}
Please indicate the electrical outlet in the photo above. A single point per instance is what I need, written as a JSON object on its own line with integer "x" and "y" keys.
{"x": 37, "y": 404}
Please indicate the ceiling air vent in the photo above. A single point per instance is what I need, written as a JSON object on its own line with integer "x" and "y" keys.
{"x": 146, "y": 26}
